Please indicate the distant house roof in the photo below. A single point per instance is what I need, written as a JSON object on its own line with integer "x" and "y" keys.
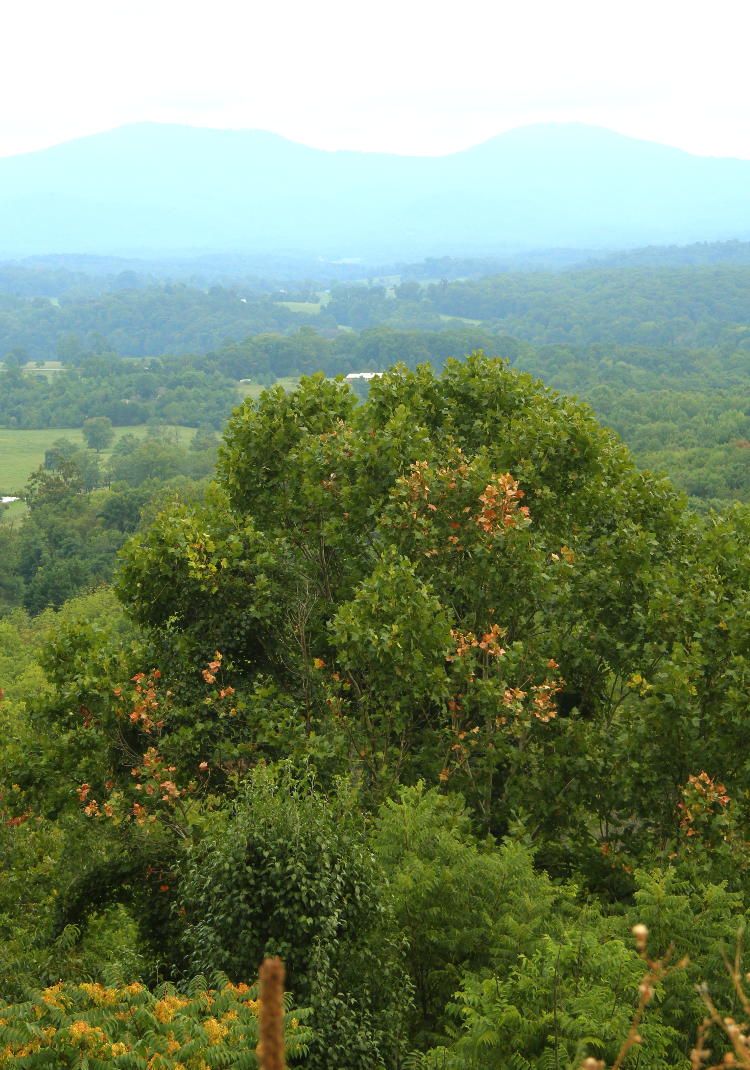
{"x": 362, "y": 375}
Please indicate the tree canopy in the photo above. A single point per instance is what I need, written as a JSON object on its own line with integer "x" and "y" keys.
{"x": 435, "y": 693}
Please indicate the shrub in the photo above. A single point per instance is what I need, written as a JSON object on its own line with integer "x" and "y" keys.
{"x": 93, "y": 1026}
{"x": 290, "y": 873}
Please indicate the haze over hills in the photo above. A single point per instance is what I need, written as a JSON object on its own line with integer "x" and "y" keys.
{"x": 153, "y": 188}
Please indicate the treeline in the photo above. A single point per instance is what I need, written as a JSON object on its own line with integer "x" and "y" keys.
{"x": 144, "y": 322}
{"x": 684, "y": 411}
{"x": 659, "y": 352}
{"x": 698, "y": 306}
{"x": 654, "y": 306}
{"x": 268, "y": 357}
{"x": 79, "y": 275}
{"x": 696, "y": 254}
{"x": 167, "y": 390}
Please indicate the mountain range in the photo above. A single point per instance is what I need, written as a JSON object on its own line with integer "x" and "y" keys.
{"x": 150, "y": 188}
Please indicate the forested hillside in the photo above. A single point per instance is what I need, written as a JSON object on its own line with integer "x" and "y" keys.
{"x": 660, "y": 352}
{"x": 146, "y": 322}
{"x": 674, "y": 306}
{"x": 374, "y": 537}
{"x": 437, "y": 696}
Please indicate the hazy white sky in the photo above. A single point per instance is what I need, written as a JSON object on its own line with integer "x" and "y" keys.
{"x": 397, "y": 75}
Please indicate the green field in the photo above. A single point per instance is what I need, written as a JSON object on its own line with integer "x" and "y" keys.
{"x": 310, "y": 308}
{"x": 47, "y": 368}
{"x": 254, "y": 390}
{"x": 12, "y": 512}
{"x": 23, "y": 451}
{"x": 459, "y": 319}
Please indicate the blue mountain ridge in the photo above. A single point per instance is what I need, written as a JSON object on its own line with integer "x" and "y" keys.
{"x": 149, "y": 188}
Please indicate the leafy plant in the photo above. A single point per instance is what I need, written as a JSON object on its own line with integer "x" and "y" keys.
{"x": 97, "y": 1027}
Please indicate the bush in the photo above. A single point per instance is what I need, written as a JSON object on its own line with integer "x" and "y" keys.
{"x": 290, "y": 873}
{"x": 94, "y": 1027}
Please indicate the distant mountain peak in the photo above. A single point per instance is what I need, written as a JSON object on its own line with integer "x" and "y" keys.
{"x": 148, "y": 187}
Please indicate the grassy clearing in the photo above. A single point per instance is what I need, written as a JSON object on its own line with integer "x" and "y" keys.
{"x": 23, "y": 451}
{"x": 13, "y": 512}
{"x": 459, "y": 319}
{"x": 310, "y": 308}
{"x": 48, "y": 368}
{"x": 254, "y": 390}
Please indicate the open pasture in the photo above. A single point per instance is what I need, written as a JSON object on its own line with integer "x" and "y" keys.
{"x": 309, "y": 308}
{"x": 23, "y": 451}
{"x": 254, "y": 390}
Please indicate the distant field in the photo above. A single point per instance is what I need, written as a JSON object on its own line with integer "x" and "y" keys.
{"x": 23, "y": 451}
{"x": 47, "y": 368}
{"x": 311, "y": 308}
{"x": 253, "y": 390}
{"x": 461, "y": 319}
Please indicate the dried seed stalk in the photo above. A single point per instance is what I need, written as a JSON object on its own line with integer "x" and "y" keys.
{"x": 271, "y": 1046}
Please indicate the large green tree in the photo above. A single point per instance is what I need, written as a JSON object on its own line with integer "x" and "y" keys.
{"x": 452, "y": 580}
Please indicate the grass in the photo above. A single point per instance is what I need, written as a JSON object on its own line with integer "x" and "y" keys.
{"x": 47, "y": 368}
{"x": 13, "y": 512}
{"x": 254, "y": 390}
{"x": 21, "y": 452}
{"x": 310, "y": 308}
{"x": 460, "y": 319}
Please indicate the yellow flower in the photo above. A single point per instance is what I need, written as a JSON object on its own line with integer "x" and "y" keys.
{"x": 216, "y": 1031}
{"x": 79, "y": 1029}
{"x": 50, "y": 996}
{"x": 164, "y": 1009}
{"x": 172, "y": 1043}
{"x": 102, "y": 997}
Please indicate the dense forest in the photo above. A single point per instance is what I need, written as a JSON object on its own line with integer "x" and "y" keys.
{"x": 437, "y": 696}
{"x": 430, "y": 685}
{"x": 684, "y": 409}
{"x": 126, "y": 392}
{"x": 144, "y": 322}
{"x": 703, "y": 305}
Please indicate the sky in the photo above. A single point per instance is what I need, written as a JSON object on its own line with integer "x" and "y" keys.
{"x": 402, "y": 76}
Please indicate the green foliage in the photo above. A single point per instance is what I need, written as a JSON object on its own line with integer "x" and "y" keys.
{"x": 41, "y": 858}
{"x": 89, "y": 1026}
{"x": 97, "y": 431}
{"x": 137, "y": 322}
{"x": 125, "y": 392}
{"x": 574, "y": 994}
{"x": 392, "y": 640}
{"x": 376, "y": 564}
{"x": 69, "y": 538}
{"x": 571, "y": 999}
{"x": 650, "y": 306}
{"x": 504, "y": 675}
{"x": 458, "y": 899}
{"x": 289, "y": 873}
